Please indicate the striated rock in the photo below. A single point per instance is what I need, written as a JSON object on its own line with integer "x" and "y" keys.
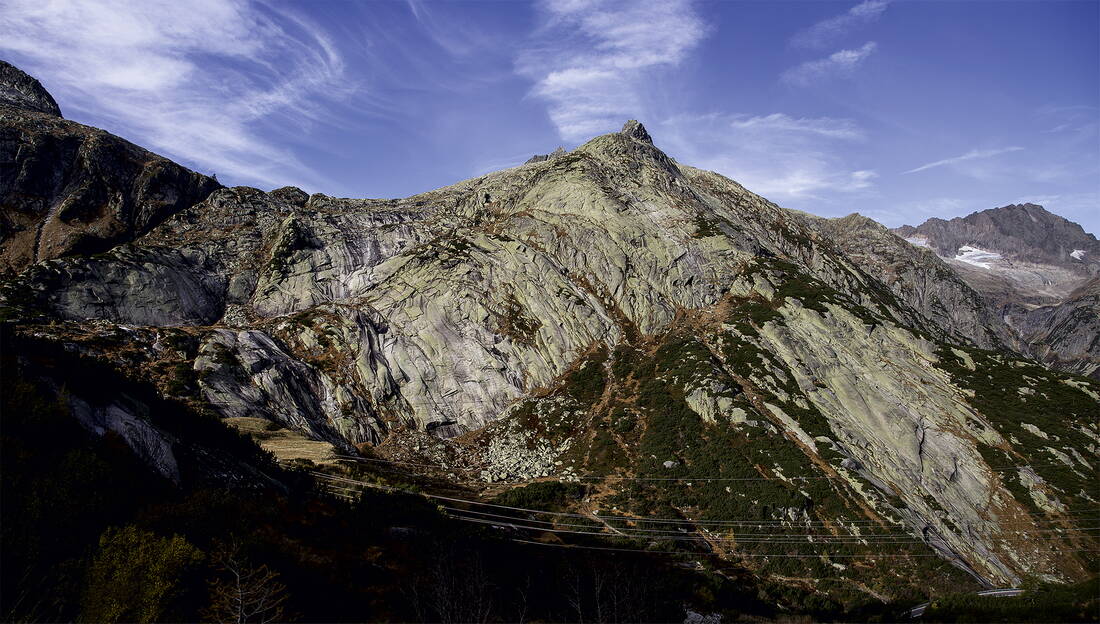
{"x": 919, "y": 278}
{"x": 1066, "y": 335}
{"x": 544, "y": 157}
{"x": 247, "y": 374}
{"x": 636, "y": 130}
{"x": 139, "y": 286}
{"x": 124, "y": 419}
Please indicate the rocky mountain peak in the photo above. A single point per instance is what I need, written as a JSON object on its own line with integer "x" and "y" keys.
{"x": 635, "y": 130}
{"x": 1025, "y": 232}
{"x": 544, "y": 157}
{"x": 1033, "y": 267}
{"x": 23, "y": 91}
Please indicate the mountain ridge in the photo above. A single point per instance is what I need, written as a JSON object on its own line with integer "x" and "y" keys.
{"x": 1010, "y": 230}
{"x": 605, "y": 313}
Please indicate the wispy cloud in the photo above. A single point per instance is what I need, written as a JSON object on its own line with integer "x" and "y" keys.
{"x": 191, "y": 80}
{"x": 840, "y": 64}
{"x": 781, "y": 157}
{"x": 590, "y": 59}
{"x": 780, "y": 122}
{"x": 916, "y": 211}
{"x": 971, "y": 155}
{"x": 830, "y": 30}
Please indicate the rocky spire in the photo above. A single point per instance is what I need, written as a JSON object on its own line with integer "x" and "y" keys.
{"x": 22, "y": 91}
{"x": 635, "y": 130}
{"x": 541, "y": 157}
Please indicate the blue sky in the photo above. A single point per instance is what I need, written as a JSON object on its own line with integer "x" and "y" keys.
{"x": 899, "y": 110}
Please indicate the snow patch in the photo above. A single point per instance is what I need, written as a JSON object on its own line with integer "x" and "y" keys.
{"x": 1078, "y": 254}
{"x": 919, "y": 241}
{"x": 977, "y": 257}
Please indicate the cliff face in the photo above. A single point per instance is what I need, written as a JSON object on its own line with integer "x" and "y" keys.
{"x": 1066, "y": 335}
{"x": 66, "y": 188}
{"x": 607, "y": 314}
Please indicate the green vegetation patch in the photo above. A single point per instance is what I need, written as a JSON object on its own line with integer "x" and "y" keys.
{"x": 1056, "y": 408}
{"x": 515, "y": 323}
{"x": 706, "y": 226}
{"x": 586, "y": 383}
{"x": 543, "y": 495}
{"x": 1045, "y": 602}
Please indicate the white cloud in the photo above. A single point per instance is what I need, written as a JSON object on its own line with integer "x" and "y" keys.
{"x": 971, "y": 155}
{"x": 779, "y": 122}
{"x": 828, "y": 31}
{"x": 780, "y": 157}
{"x": 840, "y": 64}
{"x": 191, "y": 80}
{"x": 591, "y": 59}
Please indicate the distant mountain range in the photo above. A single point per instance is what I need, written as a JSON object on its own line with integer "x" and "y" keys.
{"x": 1040, "y": 272}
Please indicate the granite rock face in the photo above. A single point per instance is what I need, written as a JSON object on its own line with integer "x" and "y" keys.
{"x": 920, "y": 278}
{"x": 521, "y": 319}
{"x": 1066, "y": 335}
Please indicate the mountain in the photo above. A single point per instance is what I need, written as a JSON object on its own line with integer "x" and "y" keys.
{"x": 19, "y": 90}
{"x": 68, "y": 188}
{"x": 1035, "y": 270}
{"x": 1021, "y": 232}
{"x": 812, "y": 402}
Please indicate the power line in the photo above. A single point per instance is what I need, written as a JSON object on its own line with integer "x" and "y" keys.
{"x": 576, "y": 515}
{"x": 738, "y": 554}
{"x": 751, "y": 538}
{"x": 677, "y": 531}
{"x": 631, "y": 478}
{"x": 795, "y": 539}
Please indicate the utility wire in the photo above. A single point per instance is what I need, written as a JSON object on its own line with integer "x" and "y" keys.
{"x": 738, "y": 554}
{"x": 574, "y": 515}
{"x": 630, "y": 478}
{"x": 799, "y": 540}
{"x": 677, "y": 531}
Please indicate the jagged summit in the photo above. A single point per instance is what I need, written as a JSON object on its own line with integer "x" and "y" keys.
{"x": 1026, "y": 232}
{"x": 635, "y": 130}
{"x": 23, "y": 91}
{"x": 544, "y": 157}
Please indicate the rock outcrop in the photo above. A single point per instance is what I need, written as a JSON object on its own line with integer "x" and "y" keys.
{"x": 1065, "y": 335}
{"x": 919, "y": 278}
{"x": 18, "y": 90}
{"x": 66, "y": 188}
